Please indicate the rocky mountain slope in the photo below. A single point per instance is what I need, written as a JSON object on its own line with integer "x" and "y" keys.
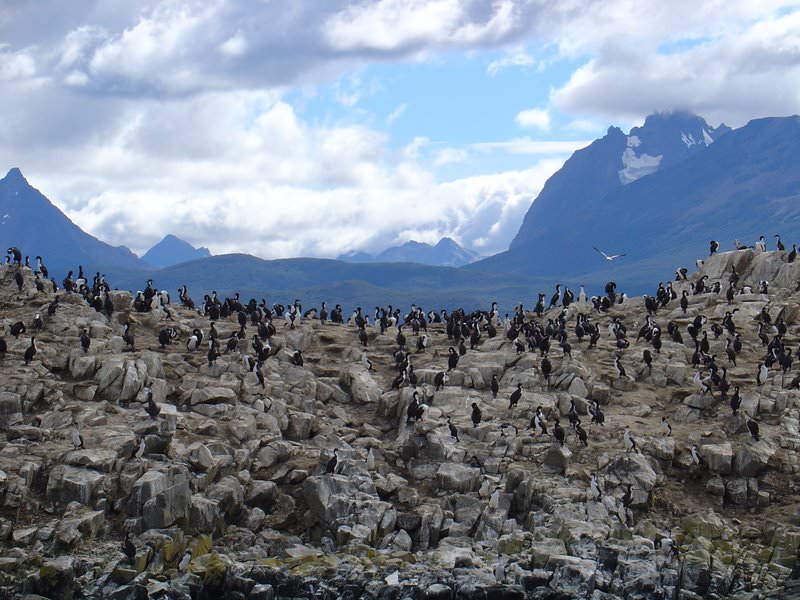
{"x": 226, "y": 492}
{"x": 733, "y": 188}
{"x": 30, "y": 221}
{"x": 445, "y": 253}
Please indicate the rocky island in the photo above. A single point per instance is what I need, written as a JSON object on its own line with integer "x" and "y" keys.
{"x": 133, "y": 468}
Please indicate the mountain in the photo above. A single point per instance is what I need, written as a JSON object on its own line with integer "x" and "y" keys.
{"x": 612, "y": 162}
{"x": 29, "y": 221}
{"x": 172, "y": 251}
{"x": 446, "y": 253}
{"x": 316, "y": 280}
{"x": 745, "y": 184}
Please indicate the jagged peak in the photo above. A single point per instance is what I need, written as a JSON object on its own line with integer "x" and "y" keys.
{"x": 14, "y": 174}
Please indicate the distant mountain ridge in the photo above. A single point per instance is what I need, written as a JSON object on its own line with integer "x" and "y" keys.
{"x": 744, "y": 184}
{"x": 172, "y": 250}
{"x": 31, "y": 222}
{"x": 707, "y": 183}
{"x": 446, "y": 253}
{"x": 612, "y": 162}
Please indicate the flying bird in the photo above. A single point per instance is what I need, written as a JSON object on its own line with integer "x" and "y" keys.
{"x": 606, "y": 256}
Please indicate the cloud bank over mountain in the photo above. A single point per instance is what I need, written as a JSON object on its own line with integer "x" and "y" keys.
{"x": 302, "y": 128}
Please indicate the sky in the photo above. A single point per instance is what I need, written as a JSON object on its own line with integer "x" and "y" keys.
{"x": 317, "y": 127}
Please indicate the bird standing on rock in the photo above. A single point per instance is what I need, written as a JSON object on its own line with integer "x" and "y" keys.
{"x": 30, "y": 351}
{"x": 539, "y": 421}
{"x": 558, "y": 433}
{"x": 152, "y": 408}
{"x": 77, "y": 438}
{"x": 630, "y": 443}
{"x": 495, "y": 386}
{"x": 515, "y": 397}
{"x": 452, "y": 359}
{"x": 583, "y": 437}
{"x": 736, "y": 400}
{"x": 453, "y": 429}
{"x": 752, "y": 427}
{"x": 476, "y": 415}
{"x": 85, "y": 340}
{"x": 330, "y": 467}
{"x": 698, "y": 460}
{"x": 594, "y": 485}
{"x": 129, "y": 549}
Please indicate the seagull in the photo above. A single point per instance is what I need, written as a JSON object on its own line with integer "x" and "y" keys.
{"x": 606, "y": 256}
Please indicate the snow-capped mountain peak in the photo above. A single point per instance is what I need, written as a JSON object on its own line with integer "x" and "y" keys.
{"x": 636, "y": 165}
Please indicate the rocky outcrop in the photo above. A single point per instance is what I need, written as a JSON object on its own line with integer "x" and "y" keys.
{"x": 230, "y": 488}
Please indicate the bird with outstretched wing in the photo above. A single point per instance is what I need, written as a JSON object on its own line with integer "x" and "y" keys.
{"x": 606, "y": 256}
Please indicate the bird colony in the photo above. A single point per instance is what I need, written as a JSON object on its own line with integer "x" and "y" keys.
{"x": 604, "y": 447}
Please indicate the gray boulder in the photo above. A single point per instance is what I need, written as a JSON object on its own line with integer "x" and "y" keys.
{"x": 67, "y": 484}
{"x": 458, "y": 478}
{"x": 718, "y": 457}
{"x": 752, "y": 458}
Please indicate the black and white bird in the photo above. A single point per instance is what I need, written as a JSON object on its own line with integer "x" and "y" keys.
{"x": 515, "y": 397}
{"x": 619, "y": 368}
{"x": 597, "y": 414}
{"x": 495, "y": 386}
{"x": 630, "y": 443}
{"x": 558, "y": 433}
{"x": 452, "y": 359}
{"x": 736, "y": 400}
{"x": 366, "y": 362}
{"x": 583, "y": 437}
{"x": 139, "y": 452}
{"x": 762, "y": 374}
{"x": 666, "y": 427}
{"x": 127, "y": 336}
{"x": 77, "y": 438}
{"x": 453, "y": 429}
{"x": 546, "y": 367}
{"x": 296, "y": 358}
{"x": 696, "y": 458}
{"x": 30, "y": 351}
{"x": 556, "y": 297}
{"x": 439, "y": 380}
{"x": 260, "y": 377}
{"x": 330, "y": 467}
{"x": 752, "y": 427}
{"x": 477, "y": 415}
{"x": 607, "y": 256}
{"x": 539, "y": 421}
{"x": 594, "y": 485}
{"x": 129, "y": 549}
{"x": 152, "y": 408}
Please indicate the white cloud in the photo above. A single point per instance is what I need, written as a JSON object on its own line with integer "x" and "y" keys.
{"x": 76, "y": 78}
{"x": 447, "y": 156}
{"x": 180, "y": 115}
{"x": 234, "y": 46}
{"x": 396, "y": 113}
{"x": 517, "y": 57}
{"x": 16, "y": 65}
{"x": 529, "y": 146}
{"x": 732, "y": 79}
{"x": 538, "y": 118}
{"x": 399, "y": 25}
{"x": 242, "y": 171}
